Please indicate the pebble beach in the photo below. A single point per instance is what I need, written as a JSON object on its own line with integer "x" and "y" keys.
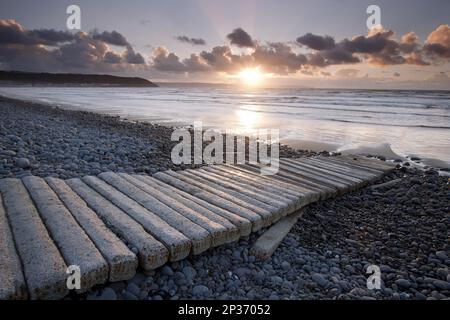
{"x": 402, "y": 227}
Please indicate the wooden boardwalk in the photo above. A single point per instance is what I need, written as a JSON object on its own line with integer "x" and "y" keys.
{"x": 110, "y": 224}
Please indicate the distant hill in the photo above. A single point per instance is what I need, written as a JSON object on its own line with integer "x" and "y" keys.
{"x": 71, "y": 79}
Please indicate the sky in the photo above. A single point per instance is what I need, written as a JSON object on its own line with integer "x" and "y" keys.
{"x": 320, "y": 43}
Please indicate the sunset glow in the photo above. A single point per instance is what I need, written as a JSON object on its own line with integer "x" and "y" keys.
{"x": 251, "y": 76}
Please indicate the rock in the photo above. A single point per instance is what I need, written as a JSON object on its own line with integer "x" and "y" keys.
{"x": 128, "y": 296}
{"x": 241, "y": 272}
{"x": 442, "y": 255}
{"x": 276, "y": 280}
{"x": 166, "y": 270}
{"x": 189, "y": 272}
{"x": 285, "y": 265}
{"x": 108, "y": 294}
{"x": 440, "y": 284}
{"x": 360, "y": 292}
{"x": 403, "y": 283}
{"x": 23, "y": 163}
{"x": 134, "y": 289}
{"x": 8, "y": 153}
{"x": 320, "y": 280}
{"x": 201, "y": 291}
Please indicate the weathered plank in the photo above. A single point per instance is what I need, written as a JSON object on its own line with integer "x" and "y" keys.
{"x": 287, "y": 186}
{"x": 151, "y": 253}
{"x": 212, "y": 198}
{"x": 73, "y": 243}
{"x": 258, "y": 192}
{"x": 323, "y": 190}
{"x": 178, "y": 244}
{"x": 325, "y": 172}
{"x": 295, "y": 199}
{"x": 43, "y": 266}
{"x": 122, "y": 262}
{"x": 181, "y": 204}
{"x": 12, "y": 282}
{"x": 272, "y": 202}
{"x": 265, "y": 246}
{"x": 176, "y": 214}
{"x": 213, "y": 212}
{"x": 354, "y": 172}
{"x": 230, "y": 195}
{"x": 292, "y": 170}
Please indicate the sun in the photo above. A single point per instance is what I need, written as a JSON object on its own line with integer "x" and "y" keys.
{"x": 251, "y": 76}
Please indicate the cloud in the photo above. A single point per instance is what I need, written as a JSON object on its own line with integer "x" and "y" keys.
{"x": 278, "y": 58}
{"x": 316, "y": 42}
{"x": 438, "y": 42}
{"x": 133, "y": 57}
{"x": 111, "y": 57}
{"x": 12, "y": 32}
{"x": 59, "y": 51}
{"x": 113, "y": 37}
{"x": 241, "y": 38}
{"x": 193, "y": 41}
{"x": 166, "y": 61}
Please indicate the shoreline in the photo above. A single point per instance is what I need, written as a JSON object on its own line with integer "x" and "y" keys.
{"x": 67, "y": 143}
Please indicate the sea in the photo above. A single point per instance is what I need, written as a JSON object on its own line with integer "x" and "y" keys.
{"x": 394, "y": 123}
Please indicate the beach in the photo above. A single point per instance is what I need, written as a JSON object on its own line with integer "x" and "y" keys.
{"x": 402, "y": 227}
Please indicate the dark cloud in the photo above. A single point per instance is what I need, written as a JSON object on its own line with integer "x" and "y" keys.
{"x": 193, "y": 41}
{"x": 316, "y": 42}
{"x": 113, "y": 37}
{"x": 13, "y": 33}
{"x": 58, "y": 51}
{"x": 113, "y": 58}
{"x": 241, "y": 38}
{"x": 133, "y": 57}
{"x": 278, "y": 58}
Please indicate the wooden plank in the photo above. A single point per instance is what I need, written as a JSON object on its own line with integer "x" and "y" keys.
{"x": 151, "y": 253}
{"x": 266, "y": 245}
{"x": 352, "y": 172}
{"x": 13, "y": 286}
{"x": 122, "y": 262}
{"x": 286, "y": 185}
{"x": 212, "y": 198}
{"x": 243, "y": 225}
{"x": 326, "y": 172}
{"x": 176, "y": 214}
{"x": 293, "y": 170}
{"x": 255, "y": 181}
{"x": 323, "y": 190}
{"x": 298, "y": 199}
{"x": 177, "y": 202}
{"x": 73, "y": 243}
{"x": 276, "y": 204}
{"x": 264, "y": 193}
{"x": 241, "y": 200}
{"x": 43, "y": 266}
{"x": 178, "y": 244}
